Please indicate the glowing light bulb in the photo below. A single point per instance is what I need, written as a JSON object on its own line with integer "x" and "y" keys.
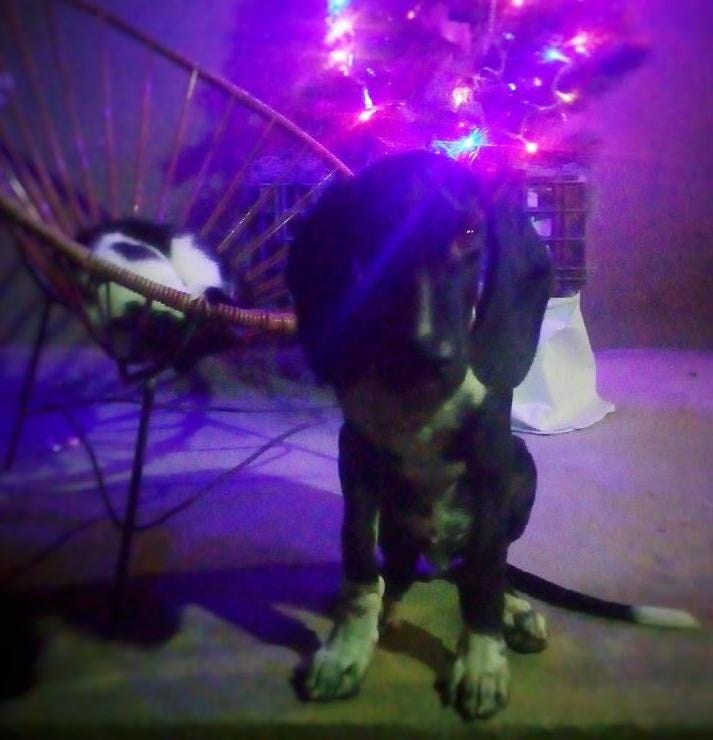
{"x": 340, "y": 58}
{"x": 468, "y": 145}
{"x": 531, "y": 147}
{"x": 334, "y": 7}
{"x": 518, "y": 3}
{"x": 342, "y": 26}
{"x": 566, "y": 97}
{"x": 461, "y": 95}
{"x": 339, "y": 55}
{"x": 369, "y": 107}
{"x": 553, "y": 54}
{"x": 580, "y": 43}
{"x": 537, "y": 81}
{"x": 411, "y": 14}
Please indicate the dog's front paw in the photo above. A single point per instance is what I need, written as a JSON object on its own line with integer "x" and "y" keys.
{"x": 336, "y": 670}
{"x": 480, "y": 679}
{"x": 524, "y": 629}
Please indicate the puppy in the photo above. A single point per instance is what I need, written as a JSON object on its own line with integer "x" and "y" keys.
{"x": 419, "y": 292}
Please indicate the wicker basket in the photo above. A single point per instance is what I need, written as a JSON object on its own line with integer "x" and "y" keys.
{"x": 557, "y": 200}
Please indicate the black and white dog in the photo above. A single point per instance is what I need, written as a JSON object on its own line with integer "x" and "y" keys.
{"x": 420, "y": 292}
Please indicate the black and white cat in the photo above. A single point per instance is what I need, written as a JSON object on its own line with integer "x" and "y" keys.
{"x": 160, "y": 253}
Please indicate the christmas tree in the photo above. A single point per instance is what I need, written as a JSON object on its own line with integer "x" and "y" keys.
{"x": 464, "y": 77}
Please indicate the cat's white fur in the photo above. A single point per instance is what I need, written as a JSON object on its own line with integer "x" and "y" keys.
{"x": 158, "y": 268}
{"x": 187, "y": 269}
{"x": 193, "y": 266}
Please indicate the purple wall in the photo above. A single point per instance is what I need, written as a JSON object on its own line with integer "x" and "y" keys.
{"x": 651, "y": 235}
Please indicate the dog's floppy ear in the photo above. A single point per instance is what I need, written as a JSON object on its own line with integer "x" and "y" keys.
{"x": 517, "y": 286}
{"x": 320, "y": 272}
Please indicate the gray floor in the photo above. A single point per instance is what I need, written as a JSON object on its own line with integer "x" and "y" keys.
{"x": 232, "y": 590}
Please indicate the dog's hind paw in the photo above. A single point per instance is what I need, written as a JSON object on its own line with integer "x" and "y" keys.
{"x": 524, "y": 629}
{"x": 479, "y": 685}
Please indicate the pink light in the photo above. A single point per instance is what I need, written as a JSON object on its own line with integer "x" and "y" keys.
{"x": 411, "y": 14}
{"x": 365, "y": 115}
{"x": 566, "y": 97}
{"x": 460, "y": 95}
{"x": 580, "y": 42}
{"x": 342, "y": 26}
{"x": 518, "y": 3}
{"x": 340, "y": 58}
{"x": 339, "y": 55}
{"x": 531, "y": 147}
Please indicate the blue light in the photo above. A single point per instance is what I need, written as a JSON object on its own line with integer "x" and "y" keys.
{"x": 553, "y": 54}
{"x": 335, "y": 7}
{"x": 470, "y": 144}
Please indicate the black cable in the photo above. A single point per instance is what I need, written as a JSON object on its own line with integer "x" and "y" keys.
{"x": 240, "y": 410}
{"x": 82, "y": 437}
{"x": 56, "y": 406}
{"x": 111, "y": 511}
{"x": 55, "y": 545}
{"x": 231, "y": 471}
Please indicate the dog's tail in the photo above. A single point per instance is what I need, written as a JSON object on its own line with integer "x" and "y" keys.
{"x": 553, "y": 593}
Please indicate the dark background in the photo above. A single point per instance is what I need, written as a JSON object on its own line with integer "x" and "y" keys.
{"x": 650, "y": 235}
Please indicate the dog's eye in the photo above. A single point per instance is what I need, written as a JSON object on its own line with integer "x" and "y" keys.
{"x": 466, "y": 247}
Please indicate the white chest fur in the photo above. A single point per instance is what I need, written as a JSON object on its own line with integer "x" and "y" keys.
{"x": 414, "y": 424}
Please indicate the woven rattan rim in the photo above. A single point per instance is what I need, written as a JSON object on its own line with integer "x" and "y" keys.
{"x": 281, "y": 322}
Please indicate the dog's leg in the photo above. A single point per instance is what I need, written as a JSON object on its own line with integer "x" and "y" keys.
{"x": 479, "y": 685}
{"x": 399, "y": 568}
{"x": 525, "y": 630}
{"x": 337, "y": 668}
{"x": 480, "y": 677}
{"x": 522, "y": 489}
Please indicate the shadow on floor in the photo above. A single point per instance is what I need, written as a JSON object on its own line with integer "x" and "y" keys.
{"x": 20, "y": 645}
{"x": 247, "y": 598}
{"x": 244, "y": 597}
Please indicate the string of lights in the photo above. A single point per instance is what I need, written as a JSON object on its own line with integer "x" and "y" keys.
{"x": 472, "y": 74}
